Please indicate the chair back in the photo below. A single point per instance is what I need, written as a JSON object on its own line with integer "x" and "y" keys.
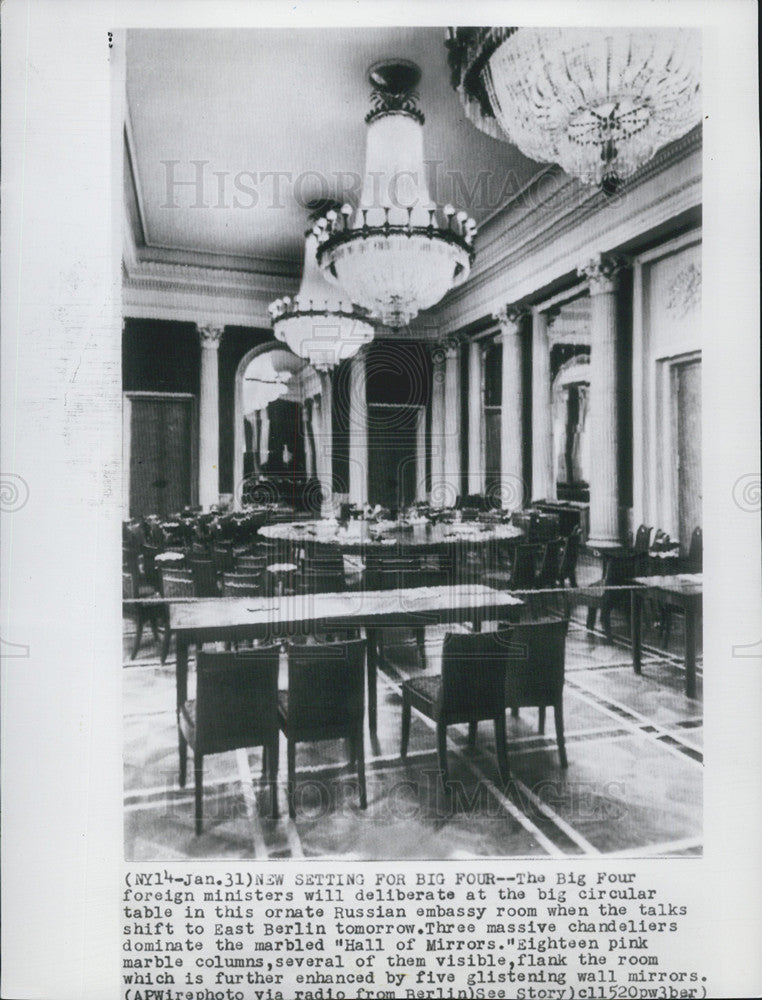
{"x": 695, "y": 559}
{"x": 236, "y": 698}
{"x": 326, "y": 689}
{"x": 242, "y": 584}
{"x": 384, "y": 571}
{"x": 642, "y": 539}
{"x": 550, "y": 563}
{"x": 568, "y": 568}
{"x": 251, "y": 563}
{"x": 222, "y": 556}
{"x": 151, "y": 573}
{"x": 177, "y": 583}
{"x": 535, "y": 664}
{"x": 473, "y": 676}
{"x": 523, "y": 568}
{"x": 204, "y": 576}
{"x": 322, "y": 570}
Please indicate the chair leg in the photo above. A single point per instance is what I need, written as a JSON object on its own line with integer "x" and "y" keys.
{"x": 541, "y": 721}
{"x": 472, "y": 727}
{"x": 591, "y": 616}
{"x": 166, "y": 640}
{"x": 291, "y": 754}
{"x": 264, "y": 763}
{"x": 442, "y": 752}
{"x": 558, "y": 715}
{"x": 154, "y": 624}
{"x": 359, "y": 751}
{"x": 139, "y": 622}
{"x": 501, "y": 748}
{"x": 198, "y": 772}
{"x": 666, "y": 626}
{"x": 405, "y": 723}
{"x": 271, "y": 756}
{"x": 515, "y": 711}
{"x": 183, "y": 752}
{"x": 420, "y": 641}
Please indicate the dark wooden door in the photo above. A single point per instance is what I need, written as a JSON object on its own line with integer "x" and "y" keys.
{"x": 161, "y": 454}
{"x": 392, "y": 451}
{"x": 687, "y": 396}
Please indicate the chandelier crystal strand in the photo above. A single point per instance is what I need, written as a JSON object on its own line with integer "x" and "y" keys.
{"x": 319, "y": 323}
{"x": 599, "y": 102}
{"x": 394, "y": 255}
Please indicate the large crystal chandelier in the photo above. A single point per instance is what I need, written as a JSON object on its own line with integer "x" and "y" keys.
{"x": 319, "y": 323}
{"x": 394, "y": 255}
{"x": 598, "y": 101}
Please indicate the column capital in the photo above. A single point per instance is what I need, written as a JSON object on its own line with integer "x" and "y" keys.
{"x": 210, "y": 335}
{"x": 510, "y": 318}
{"x": 444, "y": 349}
{"x": 601, "y": 272}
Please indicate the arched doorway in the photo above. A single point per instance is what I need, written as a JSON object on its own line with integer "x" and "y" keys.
{"x": 277, "y": 396}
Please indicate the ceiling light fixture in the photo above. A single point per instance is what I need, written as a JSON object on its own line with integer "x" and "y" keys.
{"x": 598, "y": 101}
{"x": 392, "y": 255}
{"x": 319, "y": 323}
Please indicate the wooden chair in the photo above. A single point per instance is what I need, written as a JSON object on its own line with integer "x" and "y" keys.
{"x": 471, "y": 687}
{"x": 204, "y": 576}
{"x": 222, "y": 557}
{"x": 325, "y": 701}
{"x": 618, "y": 571}
{"x": 236, "y": 705}
{"x": 251, "y": 563}
{"x": 522, "y": 573}
{"x": 152, "y": 613}
{"x": 241, "y": 584}
{"x": 534, "y": 674}
{"x": 385, "y": 571}
{"x": 569, "y": 558}
{"x": 174, "y": 583}
{"x": 693, "y": 563}
{"x": 547, "y": 577}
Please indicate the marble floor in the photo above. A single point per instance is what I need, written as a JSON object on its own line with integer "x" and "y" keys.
{"x": 633, "y": 786}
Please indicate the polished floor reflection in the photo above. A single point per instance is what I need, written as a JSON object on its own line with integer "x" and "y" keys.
{"x": 633, "y": 786}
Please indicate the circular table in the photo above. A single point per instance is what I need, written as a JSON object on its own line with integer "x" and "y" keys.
{"x": 357, "y": 537}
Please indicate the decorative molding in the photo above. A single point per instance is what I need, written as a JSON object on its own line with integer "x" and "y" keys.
{"x": 541, "y": 235}
{"x": 210, "y": 335}
{"x": 510, "y": 318}
{"x": 684, "y": 294}
{"x": 602, "y": 272}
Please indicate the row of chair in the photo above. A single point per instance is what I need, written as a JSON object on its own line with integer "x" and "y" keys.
{"x": 238, "y": 704}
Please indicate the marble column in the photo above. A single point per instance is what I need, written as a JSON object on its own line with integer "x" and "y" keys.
{"x": 358, "y": 431}
{"x": 210, "y": 335}
{"x": 452, "y": 413}
{"x": 324, "y": 442}
{"x": 437, "y": 490}
{"x": 543, "y": 477}
{"x": 475, "y": 411}
{"x": 602, "y": 275}
{"x": 512, "y": 486}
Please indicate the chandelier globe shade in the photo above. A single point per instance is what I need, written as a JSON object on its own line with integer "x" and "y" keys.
{"x": 599, "y": 102}
{"x": 319, "y": 324}
{"x": 396, "y": 254}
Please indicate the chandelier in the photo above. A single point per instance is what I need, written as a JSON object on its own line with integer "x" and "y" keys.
{"x": 598, "y": 101}
{"x": 319, "y": 323}
{"x": 394, "y": 255}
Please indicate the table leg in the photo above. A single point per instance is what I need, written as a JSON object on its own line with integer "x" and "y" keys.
{"x": 371, "y": 644}
{"x": 690, "y": 649}
{"x": 181, "y": 670}
{"x": 636, "y": 623}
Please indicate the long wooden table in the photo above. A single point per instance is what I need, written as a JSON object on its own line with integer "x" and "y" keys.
{"x": 683, "y": 590}
{"x": 221, "y": 619}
